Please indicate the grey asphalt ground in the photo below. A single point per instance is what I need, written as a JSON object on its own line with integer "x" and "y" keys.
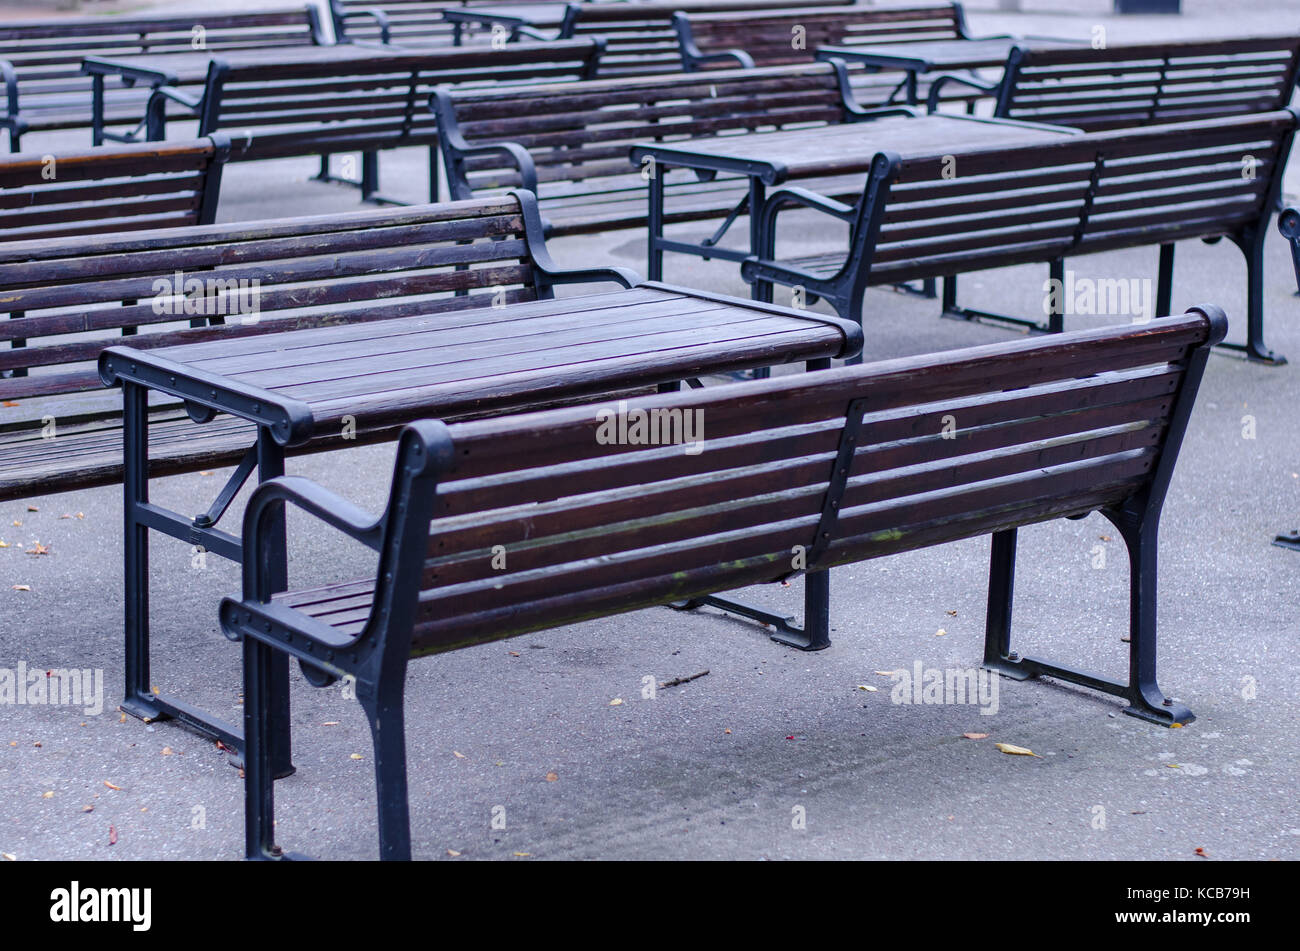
{"x": 719, "y": 767}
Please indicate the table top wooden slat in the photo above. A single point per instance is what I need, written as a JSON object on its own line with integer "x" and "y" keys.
{"x": 470, "y": 361}
{"x": 828, "y": 150}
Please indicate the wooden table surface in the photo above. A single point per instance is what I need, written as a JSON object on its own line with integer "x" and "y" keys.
{"x": 829, "y": 150}
{"x": 941, "y": 54}
{"x": 486, "y": 359}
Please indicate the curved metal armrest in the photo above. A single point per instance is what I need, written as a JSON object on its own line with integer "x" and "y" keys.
{"x": 548, "y": 271}
{"x": 795, "y": 195}
{"x": 741, "y": 58}
{"x": 458, "y": 149}
{"x": 315, "y": 500}
{"x": 188, "y": 100}
{"x": 1289, "y": 224}
{"x": 937, "y": 84}
{"x": 754, "y": 269}
{"x": 532, "y": 33}
{"x": 380, "y": 18}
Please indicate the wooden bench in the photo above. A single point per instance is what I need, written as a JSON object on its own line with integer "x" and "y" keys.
{"x": 794, "y": 36}
{"x": 795, "y": 475}
{"x": 406, "y": 22}
{"x": 361, "y": 103}
{"x": 569, "y": 144}
{"x": 641, "y": 38}
{"x": 1136, "y": 84}
{"x": 110, "y": 189}
{"x": 79, "y": 296}
{"x": 1098, "y": 191}
{"x": 40, "y": 60}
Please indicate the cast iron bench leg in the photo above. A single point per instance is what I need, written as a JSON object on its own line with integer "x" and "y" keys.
{"x": 388, "y": 731}
{"x": 140, "y": 700}
{"x": 1146, "y": 700}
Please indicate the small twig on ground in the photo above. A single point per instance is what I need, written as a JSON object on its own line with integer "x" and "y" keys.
{"x": 677, "y": 681}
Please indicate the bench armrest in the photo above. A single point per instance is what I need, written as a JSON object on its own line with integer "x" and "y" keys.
{"x": 693, "y": 57}
{"x": 547, "y": 272}
{"x": 1289, "y": 224}
{"x": 524, "y": 29}
{"x": 315, "y": 500}
{"x": 455, "y": 150}
{"x": 943, "y": 79}
{"x": 155, "y": 120}
{"x": 379, "y": 16}
{"x": 754, "y": 269}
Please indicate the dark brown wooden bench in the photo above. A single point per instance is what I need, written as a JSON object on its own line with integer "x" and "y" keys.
{"x": 366, "y": 102}
{"x": 1098, "y": 191}
{"x": 108, "y": 190}
{"x": 569, "y": 144}
{"x": 777, "y": 38}
{"x": 793, "y": 36}
{"x": 79, "y": 295}
{"x": 40, "y": 60}
{"x": 641, "y": 38}
{"x": 406, "y": 22}
{"x": 1135, "y": 84}
{"x": 111, "y": 189}
{"x": 795, "y": 475}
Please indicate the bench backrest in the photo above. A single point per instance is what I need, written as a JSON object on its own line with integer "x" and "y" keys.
{"x": 583, "y": 131}
{"x": 183, "y": 285}
{"x": 611, "y": 508}
{"x": 793, "y": 37}
{"x": 1138, "y": 84}
{"x": 110, "y": 190}
{"x": 46, "y": 54}
{"x": 1092, "y": 192}
{"x": 380, "y": 101}
{"x": 641, "y": 38}
{"x": 418, "y": 22}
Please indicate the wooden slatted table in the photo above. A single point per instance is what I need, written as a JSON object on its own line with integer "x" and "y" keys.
{"x": 772, "y": 158}
{"x": 303, "y": 386}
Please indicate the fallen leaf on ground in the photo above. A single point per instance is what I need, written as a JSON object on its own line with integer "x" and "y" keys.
{"x": 976, "y": 736}
{"x": 38, "y": 549}
{"x": 12, "y": 403}
{"x": 112, "y": 835}
{"x": 47, "y": 795}
{"x": 22, "y": 587}
{"x": 950, "y": 613}
{"x": 111, "y": 786}
{"x": 727, "y": 730}
{"x": 616, "y": 702}
{"x": 330, "y": 723}
{"x": 552, "y": 777}
{"x": 357, "y": 756}
{"x": 1015, "y": 750}
{"x": 32, "y": 508}
{"x": 3, "y": 543}
{"x": 513, "y": 653}
{"x": 167, "y": 751}
{"x": 9, "y": 856}
{"x": 1201, "y": 852}
{"x": 87, "y": 808}
{"x": 457, "y": 754}
{"x": 867, "y": 687}
{"x": 940, "y": 633}
{"x": 523, "y": 855}
{"x": 885, "y": 673}
{"x": 453, "y": 853}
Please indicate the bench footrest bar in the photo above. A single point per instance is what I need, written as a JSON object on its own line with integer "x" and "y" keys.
{"x": 1170, "y": 713}
{"x": 1288, "y": 540}
{"x": 786, "y": 633}
{"x": 985, "y": 316}
{"x": 154, "y": 707}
